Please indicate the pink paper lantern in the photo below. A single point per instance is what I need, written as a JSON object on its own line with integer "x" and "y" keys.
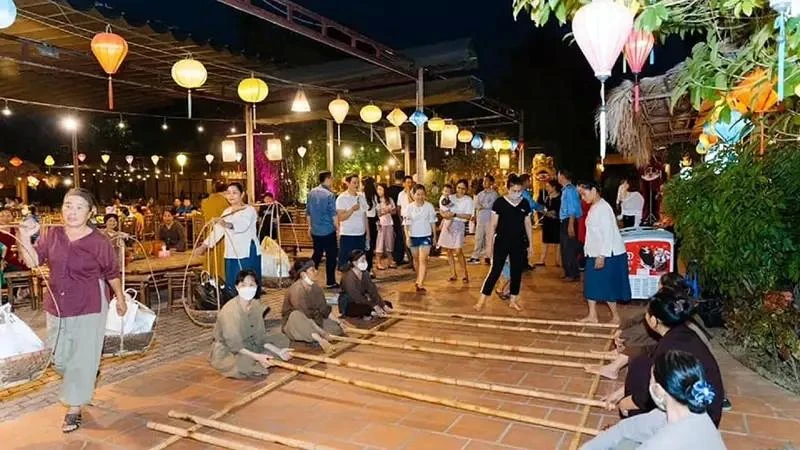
{"x": 637, "y": 48}
{"x": 601, "y": 29}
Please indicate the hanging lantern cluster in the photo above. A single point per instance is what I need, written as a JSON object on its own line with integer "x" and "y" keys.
{"x": 601, "y": 29}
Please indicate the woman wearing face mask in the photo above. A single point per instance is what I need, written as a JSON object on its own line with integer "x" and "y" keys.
{"x": 240, "y": 337}
{"x": 680, "y": 389}
{"x": 360, "y": 296}
{"x": 668, "y": 315}
{"x": 307, "y": 317}
{"x": 237, "y": 225}
{"x": 511, "y": 238}
{"x": 83, "y": 265}
{"x": 419, "y": 219}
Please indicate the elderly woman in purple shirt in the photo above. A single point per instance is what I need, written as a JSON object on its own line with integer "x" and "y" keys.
{"x": 83, "y": 265}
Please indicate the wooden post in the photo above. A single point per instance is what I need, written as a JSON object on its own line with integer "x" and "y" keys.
{"x": 329, "y": 143}
{"x": 420, "y": 148}
{"x": 250, "y": 156}
{"x": 406, "y": 156}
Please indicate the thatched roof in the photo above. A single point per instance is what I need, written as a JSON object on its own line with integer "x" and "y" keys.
{"x": 639, "y": 136}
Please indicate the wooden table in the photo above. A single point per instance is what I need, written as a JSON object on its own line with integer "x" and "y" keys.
{"x": 176, "y": 261}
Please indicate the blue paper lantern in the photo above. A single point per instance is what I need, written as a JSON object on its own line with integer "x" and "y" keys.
{"x": 732, "y": 131}
{"x": 477, "y": 142}
{"x": 418, "y": 118}
{"x": 8, "y": 13}
{"x": 514, "y": 144}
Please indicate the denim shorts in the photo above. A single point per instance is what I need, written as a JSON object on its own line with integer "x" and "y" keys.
{"x": 424, "y": 241}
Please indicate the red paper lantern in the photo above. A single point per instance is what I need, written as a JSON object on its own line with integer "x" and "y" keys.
{"x": 110, "y": 50}
{"x": 15, "y": 161}
{"x": 637, "y": 49}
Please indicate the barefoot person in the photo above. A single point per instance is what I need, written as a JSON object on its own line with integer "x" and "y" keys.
{"x": 459, "y": 212}
{"x": 83, "y": 264}
{"x": 419, "y": 219}
{"x": 307, "y": 317}
{"x": 360, "y": 297}
{"x": 606, "y": 277}
{"x": 240, "y": 337}
{"x": 511, "y": 238}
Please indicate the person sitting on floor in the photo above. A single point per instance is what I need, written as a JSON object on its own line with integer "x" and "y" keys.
{"x": 682, "y": 393}
{"x": 240, "y": 336}
{"x": 667, "y": 315}
{"x": 306, "y": 314}
{"x": 360, "y": 296}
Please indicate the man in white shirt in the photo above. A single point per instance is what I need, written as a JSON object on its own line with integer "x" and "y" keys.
{"x": 351, "y": 212}
{"x": 483, "y": 218}
{"x": 404, "y": 198}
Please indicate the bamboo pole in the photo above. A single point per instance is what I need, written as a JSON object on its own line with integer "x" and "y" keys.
{"x": 509, "y": 328}
{"x": 452, "y": 381}
{"x": 485, "y": 345}
{"x": 259, "y": 393}
{"x": 576, "y": 439}
{"x": 208, "y": 439}
{"x": 504, "y": 319}
{"x": 434, "y": 400}
{"x": 246, "y": 432}
{"x": 463, "y": 353}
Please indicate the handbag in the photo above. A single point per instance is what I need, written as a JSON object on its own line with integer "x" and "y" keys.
{"x": 206, "y": 292}
{"x": 16, "y": 337}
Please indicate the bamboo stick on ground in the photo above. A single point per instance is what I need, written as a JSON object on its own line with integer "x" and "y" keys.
{"x": 246, "y": 432}
{"x": 504, "y": 319}
{"x": 435, "y": 400}
{"x": 508, "y": 327}
{"x": 259, "y": 393}
{"x": 486, "y": 345}
{"x": 208, "y": 439}
{"x": 453, "y": 381}
{"x": 576, "y": 439}
{"x": 463, "y": 353}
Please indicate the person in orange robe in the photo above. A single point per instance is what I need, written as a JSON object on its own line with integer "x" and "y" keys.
{"x": 213, "y": 207}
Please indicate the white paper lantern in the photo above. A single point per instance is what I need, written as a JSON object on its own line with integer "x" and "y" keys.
{"x": 228, "y": 150}
{"x": 8, "y": 13}
{"x": 274, "y": 150}
{"x": 397, "y": 117}
{"x": 449, "y": 137}
{"x": 302, "y": 151}
{"x": 129, "y": 158}
{"x": 393, "y": 138}
{"x": 155, "y": 159}
{"x": 209, "y": 158}
{"x": 504, "y": 160}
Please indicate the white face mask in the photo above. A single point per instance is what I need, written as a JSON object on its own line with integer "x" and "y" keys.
{"x": 307, "y": 279}
{"x": 247, "y": 292}
{"x": 660, "y": 402}
{"x": 361, "y": 265}
{"x": 514, "y": 196}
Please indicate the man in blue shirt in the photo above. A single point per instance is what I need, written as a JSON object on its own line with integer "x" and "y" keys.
{"x": 569, "y": 214}
{"x": 321, "y": 211}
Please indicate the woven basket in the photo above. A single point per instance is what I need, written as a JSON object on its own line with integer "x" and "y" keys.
{"x": 23, "y": 368}
{"x": 200, "y": 317}
{"x": 133, "y": 343}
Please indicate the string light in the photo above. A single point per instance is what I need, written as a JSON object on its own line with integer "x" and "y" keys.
{"x": 201, "y": 128}
{"x": 287, "y": 138}
{"x": 121, "y": 124}
{"x": 347, "y": 151}
{"x": 164, "y": 125}
{"x": 69, "y": 123}
{"x": 6, "y": 110}
{"x": 233, "y": 129}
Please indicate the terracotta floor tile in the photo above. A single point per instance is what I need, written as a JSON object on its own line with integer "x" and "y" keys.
{"x": 431, "y": 419}
{"x": 529, "y": 436}
{"x": 478, "y": 427}
{"x": 741, "y": 442}
{"x": 734, "y": 422}
{"x": 480, "y": 445}
{"x": 773, "y": 427}
{"x": 429, "y": 441}
{"x": 385, "y": 436}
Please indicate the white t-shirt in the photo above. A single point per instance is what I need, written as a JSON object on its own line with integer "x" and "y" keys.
{"x": 371, "y": 212}
{"x": 632, "y": 205}
{"x": 463, "y": 205}
{"x": 419, "y": 219}
{"x": 403, "y": 199}
{"x": 353, "y": 225}
{"x": 238, "y": 239}
{"x": 602, "y": 234}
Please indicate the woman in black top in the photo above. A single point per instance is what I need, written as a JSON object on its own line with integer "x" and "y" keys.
{"x": 371, "y": 195}
{"x": 511, "y": 225}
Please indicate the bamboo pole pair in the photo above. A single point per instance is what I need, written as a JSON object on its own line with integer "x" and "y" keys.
{"x": 576, "y": 439}
{"x": 179, "y": 433}
{"x": 434, "y": 400}
{"x": 259, "y": 393}
{"x": 463, "y": 353}
{"x": 507, "y": 327}
{"x": 241, "y": 431}
{"x": 505, "y": 319}
{"x": 485, "y": 345}
{"x": 452, "y": 381}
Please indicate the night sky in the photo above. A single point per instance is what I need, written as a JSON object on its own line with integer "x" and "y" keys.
{"x": 531, "y": 69}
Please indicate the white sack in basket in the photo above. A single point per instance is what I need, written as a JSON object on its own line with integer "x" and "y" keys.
{"x": 16, "y": 337}
{"x": 274, "y": 261}
{"x": 116, "y": 324}
{"x": 145, "y": 319}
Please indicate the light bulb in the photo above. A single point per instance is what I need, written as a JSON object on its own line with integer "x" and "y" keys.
{"x": 164, "y": 125}
{"x": 6, "y": 110}
{"x": 233, "y": 130}
{"x": 200, "y": 129}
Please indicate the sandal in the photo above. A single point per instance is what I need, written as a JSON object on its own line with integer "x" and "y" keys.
{"x": 465, "y": 280}
{"x": 452, "y": 279}
{"x": 71, "y": 423}
{"x": 420, "y": 289}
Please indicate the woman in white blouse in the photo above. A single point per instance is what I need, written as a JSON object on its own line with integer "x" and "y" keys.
{"x": 631, "y": 203}
{"x": 606, "y": 275}
{"x": 419, "y": 220}
{"x": 238, "y": 224}
{"x": 458, "y": 213}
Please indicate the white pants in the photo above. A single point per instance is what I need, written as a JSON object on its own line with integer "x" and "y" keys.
{"x": 481, "y": 240}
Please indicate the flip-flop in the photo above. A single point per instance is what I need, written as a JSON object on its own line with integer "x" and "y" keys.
{"x": 71, "y": 422}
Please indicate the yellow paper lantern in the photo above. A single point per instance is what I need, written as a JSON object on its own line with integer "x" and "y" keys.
{"x": 228, "y": 150}
{"x": 253, "y": 90}
{"x": 189, "y": 74}
{"x": 105, "y": 157}
{"x": 338, "y": 109}
{"x": 464, "y": 136}
{"x": 436, "y": 124}
{"x": 274, "y": 150}
{"x": 449, "y": 137}
{"x": 370, "y": 114}
{"x": 393, "y": 139}
{"x": 506, "y": 144}
{"x": 49, "y": 161}
{"x": 487, "y": 144}
{"x": 181, "y": 159}
{"x": 397, "y": 117}
{"x": 497, "y": 144}
{"x": 505, "y": 161}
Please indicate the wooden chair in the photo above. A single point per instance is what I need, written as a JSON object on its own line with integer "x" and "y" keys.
{"x": 175, "y": 283}
{"x": 143, "y": 283}
{"x": 20, "y": 280}
{"x": 294, "y": 237}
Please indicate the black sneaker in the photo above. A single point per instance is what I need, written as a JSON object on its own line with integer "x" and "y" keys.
{"x": 333, "y": 286}
{"x": 726, "y": 404}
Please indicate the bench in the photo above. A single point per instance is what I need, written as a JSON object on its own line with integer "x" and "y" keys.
{"x": 294, "y": 237}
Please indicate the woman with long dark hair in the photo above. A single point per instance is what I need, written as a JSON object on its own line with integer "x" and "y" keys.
{"x": 371, "y": 195}
{"x": 384, "y": 244}
{"x": 511, "y": 223}
{"x": 457, "y": 213}
{"x": 551, "y": 225}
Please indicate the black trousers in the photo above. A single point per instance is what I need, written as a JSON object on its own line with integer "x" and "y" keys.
{"x": 372, "y": 223}
{"x": 570, "y": 247}
{"x": 399, "y": 240}
{"x": 328, "y": 245}
{"x": 628, "y": 221}
{"x": 517, "y": 254}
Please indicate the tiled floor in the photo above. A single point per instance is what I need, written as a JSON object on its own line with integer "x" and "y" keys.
{"x": 348, "y": 417}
